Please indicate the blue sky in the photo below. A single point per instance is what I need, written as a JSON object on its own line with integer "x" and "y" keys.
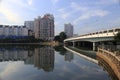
{"x": 85, "y": 15}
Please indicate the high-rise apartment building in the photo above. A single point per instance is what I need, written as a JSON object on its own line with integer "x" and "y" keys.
{"x": 44, "y": 27}
{"x": 37, "y": 27}
{"x": 29, "y": 25}
{"x": 68, "y": 28}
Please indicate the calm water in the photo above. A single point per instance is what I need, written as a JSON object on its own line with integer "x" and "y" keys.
{"x": 46, "y": 63}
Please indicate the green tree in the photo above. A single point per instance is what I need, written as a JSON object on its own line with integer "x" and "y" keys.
{"x": 117, "y": 37}
{"x": 57, "y": 38}
{"x": 62, "y": 36}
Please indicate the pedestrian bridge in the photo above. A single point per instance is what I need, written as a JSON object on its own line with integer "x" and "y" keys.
{"x": 106, "y": 35}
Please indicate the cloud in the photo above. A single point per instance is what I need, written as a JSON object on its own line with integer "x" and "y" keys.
{"x": 84, "y": 12}
{"x": 64, "y": 15}
{"x": 77, "y": 7}
{"x": 9, "y": 14}
{"x": 106, "y": 2}
{"x": 54, "y": 1}
{"x": 91, "y": 13}
{"x": 23, "y": 3}
{"x": 12, "y": 10}
{"x": 30, "y": 2}
{"x": 9, "y": 70}
{"x": 68, "y": 11}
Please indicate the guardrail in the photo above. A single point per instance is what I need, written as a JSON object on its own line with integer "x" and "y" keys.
{"x": 113, "y": 56}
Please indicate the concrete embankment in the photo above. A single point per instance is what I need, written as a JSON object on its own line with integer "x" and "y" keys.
{"x": 110, "y": 63}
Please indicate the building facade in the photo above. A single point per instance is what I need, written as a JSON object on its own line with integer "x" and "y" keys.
{"x": 1, "y": 30}
{"x": 29, "y": 25}
{"x": 68, "y": 29}
{"x": 15, "y": 30}
{"x": 44, "y": 27}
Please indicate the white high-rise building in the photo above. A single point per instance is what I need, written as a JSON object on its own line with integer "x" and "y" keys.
{"x": 44, "y": 27}
{"x": 68, "y": 28}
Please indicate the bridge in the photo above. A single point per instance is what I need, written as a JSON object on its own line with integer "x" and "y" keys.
{"x": 94, "y": 38}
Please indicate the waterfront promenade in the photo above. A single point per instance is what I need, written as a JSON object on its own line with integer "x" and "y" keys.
{"x": 112, "y": 58}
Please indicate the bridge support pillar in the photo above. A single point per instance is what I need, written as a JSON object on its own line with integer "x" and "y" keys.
{"x": 93, "y": 46}
{"x": 73, "y": 43}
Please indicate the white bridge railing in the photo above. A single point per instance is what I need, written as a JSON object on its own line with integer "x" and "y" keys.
{"x": 107, "y": 33}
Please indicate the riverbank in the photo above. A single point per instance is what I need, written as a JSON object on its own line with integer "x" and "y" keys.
{"x": 113, "y": 66}
{"x": 20, "y": 43}
{"x": 51, "y": 43}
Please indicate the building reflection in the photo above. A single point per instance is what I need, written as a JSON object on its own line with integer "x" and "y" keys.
{"x": 41, "y": 58}
{"x": 107, "y": 68}
{"x": 13, "y": 55}
{"x": 69, "y": 56}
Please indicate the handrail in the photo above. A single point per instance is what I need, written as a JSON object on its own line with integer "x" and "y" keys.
{"x": 113, "y": 56}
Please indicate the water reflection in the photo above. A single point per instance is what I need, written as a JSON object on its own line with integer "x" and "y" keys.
{"x": 69, "y": 56}
{"x": 101, "y": 62}
{"x": 44, "y": 63}
{"x": 107, "y": 68}
{"x": 60, "y": 49}
{"x": 41, "y": 58}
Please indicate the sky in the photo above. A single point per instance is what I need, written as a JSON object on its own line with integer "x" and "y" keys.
{"x": 85, "y": 15}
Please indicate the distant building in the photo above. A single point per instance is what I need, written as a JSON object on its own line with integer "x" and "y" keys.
{"x": 44, "y": 27}
{"x": 68, "y": 28}
{"x": 11, "y": 33}
{"x": 6, "y": 30}
{"x": 74, "y": 35}
{"x": 30, "y": 33}
{"x": 1, "y": 30}
{"x": 29, "y": 25}
{"x": 15, "y": 30}
{"x": 24, "y": 31}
